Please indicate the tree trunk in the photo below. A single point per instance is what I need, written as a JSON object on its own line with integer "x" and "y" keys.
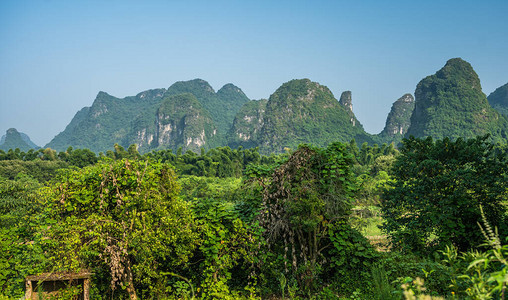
{"x": 130, "y": 282}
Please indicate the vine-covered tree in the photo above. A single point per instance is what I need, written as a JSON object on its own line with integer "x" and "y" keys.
{"x": 306, "y": 199}
{"x": 122, "y": 218}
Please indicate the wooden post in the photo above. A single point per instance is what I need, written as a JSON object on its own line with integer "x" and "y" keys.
{"x": 28, "y": 286}
{"x": 86, "y": 289}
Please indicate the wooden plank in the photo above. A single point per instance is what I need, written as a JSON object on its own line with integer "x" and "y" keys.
{"x": 59, "y": 276}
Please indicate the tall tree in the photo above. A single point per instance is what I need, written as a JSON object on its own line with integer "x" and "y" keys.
{"x": 438, "y": 189}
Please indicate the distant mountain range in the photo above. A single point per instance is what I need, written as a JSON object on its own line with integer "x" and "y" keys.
{"x": 191, "y": 115}
{"x": 300, "y": 111}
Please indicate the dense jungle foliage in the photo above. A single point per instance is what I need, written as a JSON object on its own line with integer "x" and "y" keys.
{"x": 235, "y": 224}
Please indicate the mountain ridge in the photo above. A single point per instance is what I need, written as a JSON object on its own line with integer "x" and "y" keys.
{"x": 449, "y": 103}
{"x": 132, "y": 119}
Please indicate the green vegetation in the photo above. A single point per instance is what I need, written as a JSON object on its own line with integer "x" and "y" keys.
{"x": 438, "y": 190}
{"x": 19, "y": 256}
{"x": 235, "y": 224}
{"x": 302, "y": 111}
{"x": 41, "y": 170}
{"x": 15, "y": 140}
{"x": 499, "y": 99}
{"x": 451, "y": 104}
{"x": 398, "y": 120}
{"x": 304, "y": 212}
{"x": 122, "y": 218}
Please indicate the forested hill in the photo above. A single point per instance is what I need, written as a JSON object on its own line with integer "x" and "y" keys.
{"x": 302, "y": 111}
{"x": 451, "y": 104}
{"x": 191, "y": 115}
{"x": 499, "y": 99}
{"x": 145, "y": 120}
{"x": 16, "y": 140}
{"x": 110, "y": 120}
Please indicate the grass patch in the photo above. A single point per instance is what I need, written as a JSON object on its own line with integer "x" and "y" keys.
{"x": 367, "y": 220}
{"x": 371, "y": 228}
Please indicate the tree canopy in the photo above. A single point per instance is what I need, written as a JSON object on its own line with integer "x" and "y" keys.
{"x": 438, "y": 190}
{"x": 124, "y": 216}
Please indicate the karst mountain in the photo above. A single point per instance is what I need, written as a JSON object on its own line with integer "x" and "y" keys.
{"x": 191, "y": 115}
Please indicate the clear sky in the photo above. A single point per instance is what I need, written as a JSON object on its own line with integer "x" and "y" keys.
{"x": 55, "y": 56}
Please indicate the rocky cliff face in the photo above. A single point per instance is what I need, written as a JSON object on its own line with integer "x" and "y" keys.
{"x": 222, "y": 105}
{"x": 247, "y": 125}
{"x": 14, "y": 139}
{"x": 499, "y": 99}
{"x": 451, "y": 104}
{"x": 398, "y": 120}
{"x": 135, "y": 120}
{"x": 181, "y": 121}
{"x": 346, "y": 100}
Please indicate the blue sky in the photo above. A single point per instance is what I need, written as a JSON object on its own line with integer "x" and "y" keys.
{"x": 55, "y": 56}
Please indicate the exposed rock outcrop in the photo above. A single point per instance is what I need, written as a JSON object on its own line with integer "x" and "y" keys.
{"x": 399, "y": 118}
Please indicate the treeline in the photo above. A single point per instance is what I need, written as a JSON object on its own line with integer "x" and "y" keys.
{"x": 234, "y": 224}
{"x": 219, "y": 162}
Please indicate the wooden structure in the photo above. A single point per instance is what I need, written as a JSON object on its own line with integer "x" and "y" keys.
{"x": 51, "y": 284}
